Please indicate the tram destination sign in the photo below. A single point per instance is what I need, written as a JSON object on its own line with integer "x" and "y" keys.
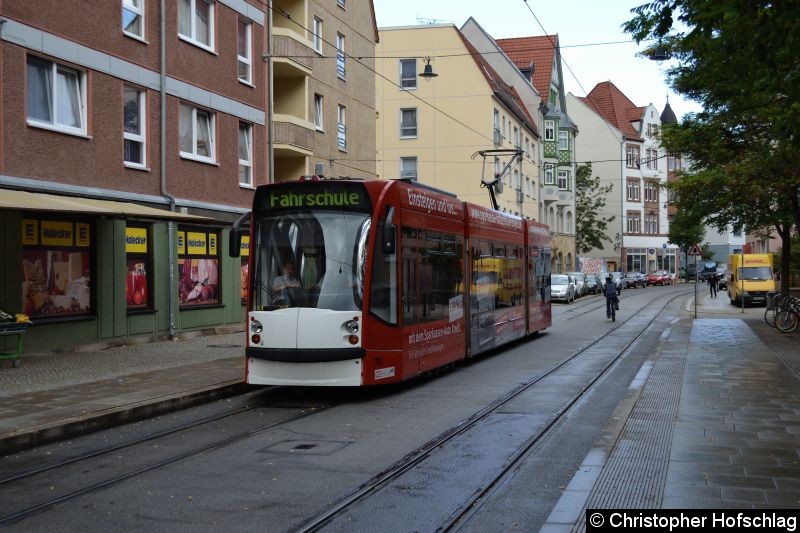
{"x": 312, "y": 195}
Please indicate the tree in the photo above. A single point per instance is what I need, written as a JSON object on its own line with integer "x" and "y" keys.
{"x": 743, "y": 147}
{"x": 685, "y": 230}
{"x": 590, "y": 199}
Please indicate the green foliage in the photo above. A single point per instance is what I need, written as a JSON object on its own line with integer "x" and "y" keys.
{"x": 706, "y": 253}
{"x": 590, "y": 200}
{"x": 686, "y": 229}
{"x": 740, "y": 61}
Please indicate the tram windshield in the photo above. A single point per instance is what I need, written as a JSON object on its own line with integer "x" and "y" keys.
{"x": 310, "y": 259}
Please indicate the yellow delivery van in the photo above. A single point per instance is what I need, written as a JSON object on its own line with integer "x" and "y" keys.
{"x": 750, "y": 278}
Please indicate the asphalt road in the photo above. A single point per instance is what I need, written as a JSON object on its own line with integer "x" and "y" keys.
{"x": 289, "y": 454}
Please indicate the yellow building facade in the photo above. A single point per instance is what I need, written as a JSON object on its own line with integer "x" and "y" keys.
{"x": 430, "y": 129}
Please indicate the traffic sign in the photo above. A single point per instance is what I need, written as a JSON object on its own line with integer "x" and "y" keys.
{"x": 695, "y": 250}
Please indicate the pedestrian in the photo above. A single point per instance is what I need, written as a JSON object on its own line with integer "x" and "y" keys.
{"x": 712, "y": 284}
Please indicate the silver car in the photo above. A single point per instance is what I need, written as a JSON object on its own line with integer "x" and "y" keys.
{"x": 581, "y": 287}
{"x": 562, "y": 288}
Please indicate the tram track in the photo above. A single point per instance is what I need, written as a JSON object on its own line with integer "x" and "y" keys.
{"x": 7, "y": 482}
{"x": 364, "y": 491}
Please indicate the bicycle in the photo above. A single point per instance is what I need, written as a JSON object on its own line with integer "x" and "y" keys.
{"x": 771, "y": 311}
{"x": 788, "y": 318}
{"x": 612, "y": 308}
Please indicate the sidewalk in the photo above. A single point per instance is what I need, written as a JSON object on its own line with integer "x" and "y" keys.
{"x": 58, "y": 395}
{"x": 716, "y": 424}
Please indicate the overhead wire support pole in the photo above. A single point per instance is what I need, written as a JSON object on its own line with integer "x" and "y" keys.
{"x": 516, "y": 155}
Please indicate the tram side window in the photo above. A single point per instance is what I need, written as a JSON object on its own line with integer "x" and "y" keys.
{"x": 431, "y": 274}
{"x": 383, "y": 299}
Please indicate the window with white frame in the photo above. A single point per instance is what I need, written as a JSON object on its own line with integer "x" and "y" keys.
{"x": 134, "y": 126}
{"x": 408, "y": 73}
{"x": 197, "y": 133}
{"x": 527, "y": 146}
{"x": 650, "y": 191}
{"x": 634, "y": 222}
{"x": 515, "y": 180}
{"x": 319, "y": 107}
{"x": 563, "y": 140}
{"x": 652, "y": 130}
{"x": 563, "y": 180}
{"x": 516, "y": 137}
{"x": 631, "y": 156}
{"x": 497, "y": 167}
{"x": 317, "y": 35}
{"x": 341, "y": 127}
{"x": 528, "y": 188}
{"x": 505, "y": 131}
{"x": 244, "y": 53}
{"x": 408, "y": 168}
{"x": 651, "y": 224}
{"x": 549, "y": 175}
{"x": 652, "y": 159}
{"x": 341, "y": 3}
{"x": 340, "y": 57}
{"x": 245, "y": 154}
{"x": 196, "y": 22}
{"x": 633, "y": 189}
{"x": 498, "y": 136}
{"x": 133, "y": 18}
{"x": 549, "y": 130}
{"x": 56, "y": 96}
{"x": 408, "y": 122}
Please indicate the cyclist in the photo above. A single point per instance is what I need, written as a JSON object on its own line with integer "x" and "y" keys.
{"x": 610, "y": 290}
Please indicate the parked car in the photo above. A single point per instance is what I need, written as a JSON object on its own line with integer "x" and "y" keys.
{"x": 580, "y": 283}
{"x": 659, "y": 277}
{"x": 635, "y": 279}
{"x": 722, "y": 273}
{"x": 708, "y": 268}
{"x": 562, "y": 288}
{"x": 619, "y": 280}
{"x": 593, "y": 283}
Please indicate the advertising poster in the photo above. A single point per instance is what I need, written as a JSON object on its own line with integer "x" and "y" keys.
{"x": 136, "y": 284}
{"x": 198, "y": 281}
{"x": 55, "y": 282}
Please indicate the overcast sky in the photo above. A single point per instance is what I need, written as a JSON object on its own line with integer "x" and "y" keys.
{"x": 577, "y": 22}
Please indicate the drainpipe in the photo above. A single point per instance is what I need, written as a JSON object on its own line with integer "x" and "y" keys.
{"x": 172, "y": 278}
{"x": 269, "y": 100}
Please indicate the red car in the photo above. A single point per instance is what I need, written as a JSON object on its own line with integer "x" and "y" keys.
{"x": 659, "y": 277}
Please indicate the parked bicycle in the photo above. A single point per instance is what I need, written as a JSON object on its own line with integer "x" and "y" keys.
{"x": 787, "y": 314}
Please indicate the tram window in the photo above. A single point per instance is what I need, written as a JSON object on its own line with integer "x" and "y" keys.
{"x": 431, "y": 274}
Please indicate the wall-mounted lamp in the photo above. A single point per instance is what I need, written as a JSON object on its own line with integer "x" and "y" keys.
{"x": 428, "y": 73}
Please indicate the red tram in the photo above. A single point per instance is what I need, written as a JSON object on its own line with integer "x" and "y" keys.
{"x": 370, "y": 282}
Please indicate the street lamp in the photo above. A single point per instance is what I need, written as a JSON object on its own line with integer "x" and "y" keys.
{"x": 428, "y": 73}
{"x": 660, "y": 54}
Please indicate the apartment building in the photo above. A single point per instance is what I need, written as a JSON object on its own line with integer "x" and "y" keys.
{"x": 538, "y": 58}
{"x": 431, "y": 128}
{"x": 133, "y": 134}
{"x": 621, "y": 140}
{"x": 323, "y": 79}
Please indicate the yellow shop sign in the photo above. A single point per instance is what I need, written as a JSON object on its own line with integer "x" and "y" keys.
{"x": 136, "y": 240}
{"x": 82, "y": 234}
{"x": 57, "y": 233}
{"x": 196, "y": 242}
{"x": 30, "y": 231}
{"x": 212, "y": 244}
{"x": 181, "y": 242}
{"x": 244, "y": 248}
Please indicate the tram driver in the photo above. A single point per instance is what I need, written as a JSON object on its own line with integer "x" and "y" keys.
{"x": 284, "y": 286}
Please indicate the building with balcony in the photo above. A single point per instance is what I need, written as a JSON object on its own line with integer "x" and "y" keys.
{"x": 430, "y": 129}
{"x": 538, "y": 58}
{"x": 130, "y": 139}
{"x": 621, "y": 140}
{"x": 323, "y": 79}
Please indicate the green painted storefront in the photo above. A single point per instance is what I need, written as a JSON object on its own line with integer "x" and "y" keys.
{"x": 110, "y": 317}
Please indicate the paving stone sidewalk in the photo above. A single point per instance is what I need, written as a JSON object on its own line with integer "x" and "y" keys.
{"x": 57, "y": 395}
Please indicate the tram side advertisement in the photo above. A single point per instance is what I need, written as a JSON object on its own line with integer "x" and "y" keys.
{"x": 439, "y": 342}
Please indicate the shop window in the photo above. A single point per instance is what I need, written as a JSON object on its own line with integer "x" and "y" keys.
{"x": 138, "y": 259}
{"x": 198, "y": 267}
{"x": 56, "y": 268}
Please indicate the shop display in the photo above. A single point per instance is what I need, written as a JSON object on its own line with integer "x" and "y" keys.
{"x": 199, "y": 281}
{"x": 55, "y": 282}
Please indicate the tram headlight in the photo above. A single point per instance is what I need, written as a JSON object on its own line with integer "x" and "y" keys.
{"x": 255, "y": 326}
{"x": 351, "y": 326}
